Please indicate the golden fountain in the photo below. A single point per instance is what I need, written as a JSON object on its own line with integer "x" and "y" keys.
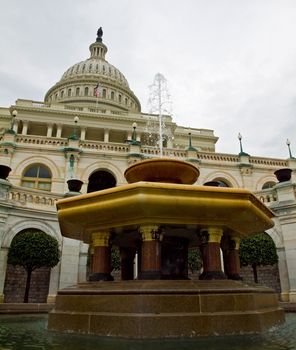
{"x": 156, "y": 217}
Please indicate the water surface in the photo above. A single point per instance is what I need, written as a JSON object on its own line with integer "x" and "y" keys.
{"x": 29, "y": 332}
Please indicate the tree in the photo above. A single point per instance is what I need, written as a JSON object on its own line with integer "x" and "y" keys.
{"x": 33, "y": 249}
{"x": 115, "y": 258}
{"x": 194, "y": 259}
{"x": 258, "y": 250}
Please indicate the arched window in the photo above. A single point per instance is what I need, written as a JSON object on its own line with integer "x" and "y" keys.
{"x": 77, "y": 91}
{"x": 268, "y": 184}
{"x": 100, "y": 180}
{"x": 104, "y": 93}
{"x": 218, "y": 182}
{"x": 112, "y": 95}
{"x": 37, "y": 176}
{"x": 69, "y": 92}
{"x": 86, "y": 91}
{"x": 62, "y": 93}
{"x": 119, "y": 98}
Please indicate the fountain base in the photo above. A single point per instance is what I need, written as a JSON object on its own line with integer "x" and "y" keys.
{"x": 162, "y": 309}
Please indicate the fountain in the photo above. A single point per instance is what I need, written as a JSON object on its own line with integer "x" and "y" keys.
{"x": 160, "y": 220}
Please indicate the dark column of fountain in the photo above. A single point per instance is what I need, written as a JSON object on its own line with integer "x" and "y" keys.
{"x": 210, "y": 249}
{"x": 150, "y": 253}
{"x": 231, "y": 259}
{"x": 101, "y": 261}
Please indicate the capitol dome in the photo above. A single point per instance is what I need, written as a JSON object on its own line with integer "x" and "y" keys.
{"x": 94, "y": 82}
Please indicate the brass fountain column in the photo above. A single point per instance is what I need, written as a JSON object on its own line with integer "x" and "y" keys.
{"x": 231, "y": 260}
{"x": 101, "y": 261}
{"x": 150, "y": 253}
{"x": 210, "y": 248}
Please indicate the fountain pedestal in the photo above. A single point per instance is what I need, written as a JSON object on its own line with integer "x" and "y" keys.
{"x": 160, "y": 220}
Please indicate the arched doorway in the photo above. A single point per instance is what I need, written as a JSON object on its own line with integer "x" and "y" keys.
{"x": 100, "y": 180}
{"x": 15, "y": 283}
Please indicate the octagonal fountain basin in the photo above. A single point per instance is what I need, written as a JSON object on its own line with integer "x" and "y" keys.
{"x": 156, "y": 218}
{"x": 162, "y": 170}
{"x": 125, "y": 208}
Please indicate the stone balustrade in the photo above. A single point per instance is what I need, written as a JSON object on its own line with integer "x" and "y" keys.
{"x": 279, "y": 163}
{"x": 220, "y": 157}
{"x": 153, "y": 151}
{"x": 267, "y": 196}
{"x": 41, "y": 140}
{"x": 30, "y": 198}
{"x": 104, "y": 146}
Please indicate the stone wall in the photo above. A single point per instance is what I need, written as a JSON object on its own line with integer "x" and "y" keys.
{"x": 15, "y": 284}
{"x": 267, "y": 276}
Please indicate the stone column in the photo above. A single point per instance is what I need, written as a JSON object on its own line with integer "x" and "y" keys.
{"x": 101, "y": 264}
{"x": 59, "y": 131}
{"x": 82, "y": 133}
{"x": 231, "y": 259}
{"x": 49, "y": 129}
{"x": 25, "y": 127}
{"x": 210, "y": 248}
{"x": 53, "y": 283}
{"x": 127, "y": 256}
{"x": 129, "y": 136}
{"x": 106, "y": 135}
{"x": 170, "y": 143}
{"x": 3, "y": 267}
{"x": 150, "y": 253}
{"x": 15, "y": 125}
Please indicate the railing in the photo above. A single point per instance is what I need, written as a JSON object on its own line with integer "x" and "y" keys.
{"x": 153, "y": 151}
{"x": 267, "y": 196}
{"x": 105, "y": 146}
{"x": 31, "y": 198}
{"x": 268, "y": 161}
{"x": 41, "y": 140}
{"x": 29, "y": 103}
{"x": 218, "y": 157}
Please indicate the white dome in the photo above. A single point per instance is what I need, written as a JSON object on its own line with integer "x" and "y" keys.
{"x": 77, "y": 85}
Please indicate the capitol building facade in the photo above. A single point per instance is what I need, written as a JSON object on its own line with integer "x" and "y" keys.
{"x": 90, "y": 127}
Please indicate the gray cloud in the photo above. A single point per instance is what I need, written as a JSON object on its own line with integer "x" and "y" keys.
{"x": 229, "y": 63}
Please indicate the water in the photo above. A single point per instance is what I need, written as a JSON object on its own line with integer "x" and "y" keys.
{"x": 30, "y": 333}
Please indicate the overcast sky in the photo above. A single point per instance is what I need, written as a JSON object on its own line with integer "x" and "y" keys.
{"x": 230, "y": 64}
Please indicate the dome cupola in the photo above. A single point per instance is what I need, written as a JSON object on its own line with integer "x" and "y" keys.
{"x": 94, "y": 82}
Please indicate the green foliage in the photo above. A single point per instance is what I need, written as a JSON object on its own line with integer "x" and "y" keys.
{"x": 258, "y": 250}
{"x": 115, "y": 258}
{"x": 194, "y": 259}
{"x": 34, "y": 249}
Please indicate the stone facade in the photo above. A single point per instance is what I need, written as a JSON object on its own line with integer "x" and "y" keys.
{"x": 97, "y": 147}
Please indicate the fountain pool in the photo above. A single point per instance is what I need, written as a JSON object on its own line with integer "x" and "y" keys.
{"x": 30, "y": 332}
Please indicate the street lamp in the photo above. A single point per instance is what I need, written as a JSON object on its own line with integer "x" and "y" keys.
{"x": 288, "y": 144}
{"x": 239, "y": 136}
{"x": 76, "y": 120}
{"x": 134, "y": 135}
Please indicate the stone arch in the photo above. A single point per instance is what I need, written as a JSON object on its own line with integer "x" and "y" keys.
{"x": 30, "y": 223}
{"x": 40, "y": 160}
{"x": 263, "y": 180}
{"x": 15, "y": 276}
{"x": 276, "y": 235}
{"x": 221, "y": 176}
{"x": 100, "y": 180}
{"x": 106, "y": 166}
